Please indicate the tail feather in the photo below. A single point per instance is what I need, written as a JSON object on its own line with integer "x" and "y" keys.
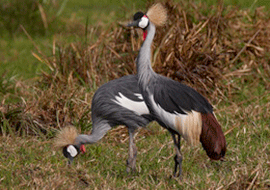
{"x": 212, "y": 137}
{"x": 65, "y": 136}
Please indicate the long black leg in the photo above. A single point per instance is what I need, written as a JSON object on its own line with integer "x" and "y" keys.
{"x": 178, "y": 157}
{"x": 132, "y": 152}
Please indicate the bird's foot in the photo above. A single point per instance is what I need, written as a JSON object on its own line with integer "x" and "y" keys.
{"x": 131, "y": 165}
{"x": 177, "y": 166}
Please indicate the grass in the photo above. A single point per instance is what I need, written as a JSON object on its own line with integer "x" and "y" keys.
{"x": 103, "y": 166}
{"x": 17, "y": 59}
{"x": 34, "y": 104}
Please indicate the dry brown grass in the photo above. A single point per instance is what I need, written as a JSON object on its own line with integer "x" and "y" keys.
{"x": 227, "y": 42}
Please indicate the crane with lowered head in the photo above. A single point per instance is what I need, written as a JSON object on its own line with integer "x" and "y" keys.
{"x": 177, "y": 107}
{"x": 117, "y": 102}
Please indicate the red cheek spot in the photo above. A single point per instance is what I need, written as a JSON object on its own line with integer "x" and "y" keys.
{"x": 82, "y": 149}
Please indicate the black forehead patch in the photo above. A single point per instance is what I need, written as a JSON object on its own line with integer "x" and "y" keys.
{"x": 66, "y": 154}
{"x": 138, "y": 15}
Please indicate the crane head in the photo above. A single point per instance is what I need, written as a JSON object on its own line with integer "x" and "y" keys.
{"x": 139, "y": 20}
{"x": 157, "y": 14}
{"x": 65, "y": 140}
{"x": 71, "y": 151}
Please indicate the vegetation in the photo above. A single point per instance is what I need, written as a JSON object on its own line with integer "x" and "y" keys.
{"x": 52, "y": 66}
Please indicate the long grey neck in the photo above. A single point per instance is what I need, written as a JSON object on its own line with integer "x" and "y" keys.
{"x": 144, "y": 68}
{"x": 99, "y": 130}
{"x": 86, "y": 139}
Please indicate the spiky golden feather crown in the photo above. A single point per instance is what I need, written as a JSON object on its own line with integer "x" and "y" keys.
{"x": 157, "y": 14}
{"x": 65, "y": 136}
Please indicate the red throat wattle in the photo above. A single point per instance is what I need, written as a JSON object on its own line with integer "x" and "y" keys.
{"x": 144, "y": 34}
{"x": 82, "y": 149}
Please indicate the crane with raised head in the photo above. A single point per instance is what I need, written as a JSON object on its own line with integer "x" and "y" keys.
{"x": 177, "y": 107}
{"x": 117, "y": 102}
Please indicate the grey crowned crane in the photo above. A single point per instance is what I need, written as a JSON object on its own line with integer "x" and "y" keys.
{"x": 117, "y": 102}
{"x": 175, "y": 106}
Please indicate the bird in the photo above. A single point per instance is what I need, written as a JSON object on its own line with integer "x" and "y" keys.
{"x": 117, "y": 102}
{"x": 180, "y": 109}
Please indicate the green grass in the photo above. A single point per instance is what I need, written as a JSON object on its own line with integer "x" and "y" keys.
{"x": 105, "y": 11}
{"x": 17, "y": 59}
{"x": 103, "y": 166}
{"x": 15, "y": 52}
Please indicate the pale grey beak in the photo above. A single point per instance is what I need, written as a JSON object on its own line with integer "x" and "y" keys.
{"x": 133, "y": 23}
{"x": 70, "y": 160}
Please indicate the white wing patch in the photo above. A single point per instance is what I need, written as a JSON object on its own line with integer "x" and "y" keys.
{"x": 138, "y": 107}
{"x": 72, "y": 150}
{"x": 166, "y": 117}
{"x": 189, "y": 125}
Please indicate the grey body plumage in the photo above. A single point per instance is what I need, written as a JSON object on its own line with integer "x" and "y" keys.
{"x": 104, "y": 106}
{"x": 110, "y": 107}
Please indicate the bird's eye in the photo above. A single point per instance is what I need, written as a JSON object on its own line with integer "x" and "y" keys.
{"x": 72, "y": 150}
{"x": 143, "y": 22}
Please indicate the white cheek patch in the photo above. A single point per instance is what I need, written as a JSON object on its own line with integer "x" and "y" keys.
{"x": 72, "y": 150}
{"x": 144, "y": 22}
